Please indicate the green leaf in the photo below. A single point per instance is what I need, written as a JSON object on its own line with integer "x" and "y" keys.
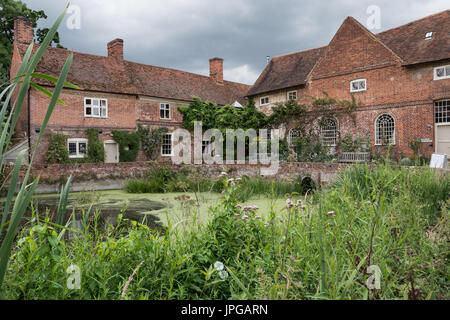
{"x": 46, "y": 92}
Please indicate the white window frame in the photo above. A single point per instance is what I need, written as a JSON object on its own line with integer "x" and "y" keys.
{"x": 292, "y": 134}
{"x": 77, "y": 141}
{"x": 171, "y": 146}
{"x": 447, "y": 112}
{"x": 289, "y": 92}
{"x": 376, "y": 130}
{"x": 435, "y": 76}
{"x": 264, "y": 104}
{"x": 358, "y": 90}
{"x": 336, "y": 130}
{"x": 163, "y": 106}
{"x": 99, "y": 108}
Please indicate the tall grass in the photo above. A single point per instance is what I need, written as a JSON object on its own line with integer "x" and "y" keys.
{"x": 311, "y": 250}
{"x": 14, "y": 208}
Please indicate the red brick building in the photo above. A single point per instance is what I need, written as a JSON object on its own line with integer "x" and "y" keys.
{"x": 115, "y": 94}
{"x": 400, "y": 79}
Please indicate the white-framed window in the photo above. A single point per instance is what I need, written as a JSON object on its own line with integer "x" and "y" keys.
{"x": 264, "y": 100}
{"x": 164, "y": 111}
{"x": 384, "y": 130}
{"x": 292, "y": 135}
{"x": 358, "y": 85}
{"x": 442, "y": 72}
{"x": 428, "y": 35}
{"x": 166, "y": 146}
{"x": 96, "y": 108}
{"x": 328, "y": 132}
{"x": 442, "y": 111}
{"x": 292, "y": 95}
{"x": 77, "y": 147}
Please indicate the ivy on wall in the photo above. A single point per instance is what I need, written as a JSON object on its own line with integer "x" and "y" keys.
{"x": 57, "y": 149}
{"x": 128, "y": 144}
{"x": 95, "y": 148}
{"x": 151, "y": 140}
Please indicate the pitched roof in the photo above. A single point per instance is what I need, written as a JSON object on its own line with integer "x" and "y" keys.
{"x": 99, "y": 73}
{"x": 286, "y": 71}
{"x": 406, "y": 41}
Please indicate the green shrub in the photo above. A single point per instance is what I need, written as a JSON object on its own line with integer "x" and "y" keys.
{"x": 95, "y": 148}
{"x": 128, "y": 145}
{"x": 57, "y": 149}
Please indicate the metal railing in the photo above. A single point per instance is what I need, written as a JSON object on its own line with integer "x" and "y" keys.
{"x": 354, "y": 157}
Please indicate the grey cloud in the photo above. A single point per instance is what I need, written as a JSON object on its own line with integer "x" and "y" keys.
{"x": 185, "y": 34}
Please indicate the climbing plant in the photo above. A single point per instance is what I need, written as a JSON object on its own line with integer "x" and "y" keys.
{"x": 128, "y": 144}
{"x": 151, "y": 140}
{"x": 57, "y": 148}
{"x": 95, "y": 148}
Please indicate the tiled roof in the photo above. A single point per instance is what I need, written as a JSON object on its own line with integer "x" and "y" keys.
{"x": 406, "y": 41}
{"x": 286, "y": 71}
{"x": 99, "y": 73}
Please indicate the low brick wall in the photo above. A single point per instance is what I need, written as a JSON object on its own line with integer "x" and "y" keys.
{"x": 90, "y": 172}
{"x": 103, "y": 176}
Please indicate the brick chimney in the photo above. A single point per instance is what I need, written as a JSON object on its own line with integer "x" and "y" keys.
{"x": 23, "y": 30}
{"x": 115, "y": 49}
{"x": 216, "y": 69}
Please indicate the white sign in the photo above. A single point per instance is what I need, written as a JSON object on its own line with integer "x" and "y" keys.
{"x": 438, "y": 161}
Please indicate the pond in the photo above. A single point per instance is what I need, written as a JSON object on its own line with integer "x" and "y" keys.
{"x": 156, "y": 210}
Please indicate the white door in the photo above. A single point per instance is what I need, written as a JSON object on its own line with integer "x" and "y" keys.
{"x": 111, "y": 151}
{"x": 443, "y": 139}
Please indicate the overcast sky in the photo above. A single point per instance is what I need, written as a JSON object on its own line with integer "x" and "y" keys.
{"x": 184, "y": 34}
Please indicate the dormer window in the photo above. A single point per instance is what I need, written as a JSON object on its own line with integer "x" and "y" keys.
{"x": 358, "y": 85}
{"x": 292, "y": 95}
{"x": 428, "y": 35}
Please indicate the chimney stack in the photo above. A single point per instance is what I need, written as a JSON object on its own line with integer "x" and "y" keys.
{"x": 216, "y": 69}
{"x": 23, "y": 30}
{"x": 115, "y": 49}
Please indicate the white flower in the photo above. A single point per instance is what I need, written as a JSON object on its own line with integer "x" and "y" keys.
{"x": 218, "y": 266}
{"x": 223, "y": 274}
{"x": 223, "y": 174}
{"x": 331, "y": 213}
{"x": 289, "y": 203}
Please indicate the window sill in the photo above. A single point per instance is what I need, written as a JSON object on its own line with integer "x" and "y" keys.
{"x": 441, "y": 78}
{"x": 95, "y": 117}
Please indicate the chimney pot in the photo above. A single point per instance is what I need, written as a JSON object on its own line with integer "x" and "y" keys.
{"x": 115, "y": 49}
{"x": 23, "y": 30}
{"x": 216, "y": 69}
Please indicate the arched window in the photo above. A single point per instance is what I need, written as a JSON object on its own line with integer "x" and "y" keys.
{"x": 384, "y": 130}
{"x": 328, "y": 131}
{"x": 293, "y": 133}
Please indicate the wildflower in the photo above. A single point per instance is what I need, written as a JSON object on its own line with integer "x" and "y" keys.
{"x": 238, "y": 206}
{"x": 223, "y": 192}
{"x": 266, "y": 224}
{"x": 258, "y": 217}
{"x": 331, "y": 213}
{"x": 238, "y": 179}
{"x": 231, "y": 181}
{"x": 218, "y": 266}
{"x": 237, "y": 214}
{"x": 223, "y": 174}
{"x": 223, "y": 274}
{"x": 303, "y": 207}
{"x": 244, "y": 217}
{"x": 299, "y": 202}
{"x": 250, "y": 208}
{"x": 289, "y": 203}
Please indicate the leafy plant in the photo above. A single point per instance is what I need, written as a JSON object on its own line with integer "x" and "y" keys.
{"x": 151, "y": 140}
{"x": 19, "y": 204}
{"x": 95, "y": 148}
{"x": 57, "y": 149}
{"x": 128, "y": 144}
